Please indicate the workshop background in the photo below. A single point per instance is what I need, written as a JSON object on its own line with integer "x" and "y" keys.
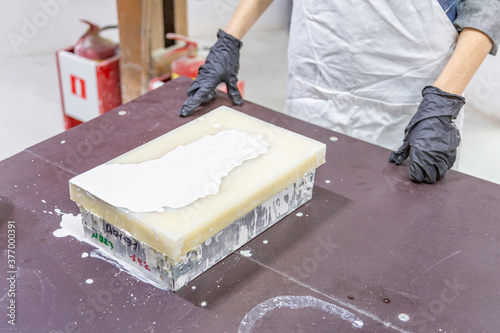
{"x": 31, "y": 104}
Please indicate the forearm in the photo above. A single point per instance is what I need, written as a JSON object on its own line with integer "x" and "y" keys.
{"x": 472, "y": 48}
{"x": 246, "y": 14}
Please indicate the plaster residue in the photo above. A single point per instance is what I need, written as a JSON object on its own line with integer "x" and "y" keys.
{"x": 178, "y": 178}
{"x": 72, "y": 226}
{"x": 246, "y": 253}
{"x": 124, "y": 266}
{"x": 295, "y": 303}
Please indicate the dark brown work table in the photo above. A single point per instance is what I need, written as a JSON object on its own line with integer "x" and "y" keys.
{"x": 369, "y": 242}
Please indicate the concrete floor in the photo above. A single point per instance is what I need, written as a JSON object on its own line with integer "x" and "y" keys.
{"x": 31, "y": 108}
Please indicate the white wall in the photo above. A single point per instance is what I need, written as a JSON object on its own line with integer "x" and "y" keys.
{"x": 205, "y": 17}
{"x": 483, "y": 92}
{"x": 41, "y": 26}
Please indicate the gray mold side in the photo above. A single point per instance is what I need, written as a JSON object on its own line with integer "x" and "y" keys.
{"x": 177, "y": 273}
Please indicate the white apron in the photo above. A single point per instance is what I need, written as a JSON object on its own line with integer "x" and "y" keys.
{"x": 358, "y": 67}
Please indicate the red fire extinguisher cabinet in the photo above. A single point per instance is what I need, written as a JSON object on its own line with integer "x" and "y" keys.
{"x": 88, "y": 88}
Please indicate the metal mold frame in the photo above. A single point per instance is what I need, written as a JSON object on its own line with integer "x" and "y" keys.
{"x": 177, "y": 273}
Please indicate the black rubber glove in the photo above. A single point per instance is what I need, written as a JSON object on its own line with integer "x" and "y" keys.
{"x": 431, "y": 138}
{"x": 222, "y": 65}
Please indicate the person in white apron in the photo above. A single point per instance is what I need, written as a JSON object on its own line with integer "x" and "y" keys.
{"x": 358, "y": 67}
{"x": 363, "y": 75}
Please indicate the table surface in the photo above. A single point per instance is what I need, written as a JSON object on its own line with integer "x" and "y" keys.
{"x": 369, "y": 247}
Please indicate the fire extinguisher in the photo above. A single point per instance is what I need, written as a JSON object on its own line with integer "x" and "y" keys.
{"x": 188, "y": 65}
{"x": 92, "y": 46}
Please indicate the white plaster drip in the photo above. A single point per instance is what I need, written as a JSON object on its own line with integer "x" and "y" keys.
{"x": 246, "y": 253}
{"x": 178, "y": 178}
{"x": 125, "y": 267}
{"x": 72, "y": 226}
{"x": 243, "y": 234}
{"x": 294, "y": 303}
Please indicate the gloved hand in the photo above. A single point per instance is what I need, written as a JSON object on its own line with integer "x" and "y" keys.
{"x": 431, "y": 138}
{"x": 222, "y": 65}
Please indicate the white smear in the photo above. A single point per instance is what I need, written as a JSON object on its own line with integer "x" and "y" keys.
{"x": 299, "y": 214}
{"x": 216, "y": 125}
{"x": 122, "y": 113}
{"x": 203, "y": 303}
{"x": 327, "y": 181}
{"x": 125, "y": 267}
{"x": 182, "y": 280}
{"x": 265, "y": 241}
{"x": 178, "y": 178}
{"x": 295, "y": 303}
{"x": 403, "y": 317}
{"x": 44, "y": 201}
{"x": 242, "y": 234}
{"x": 63, "y": 141}
{"x": 246, "y": 253}
{"x": 193, "y": 287}
{"x": 89, "y": 281}
{"x": 71, "y": 226}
